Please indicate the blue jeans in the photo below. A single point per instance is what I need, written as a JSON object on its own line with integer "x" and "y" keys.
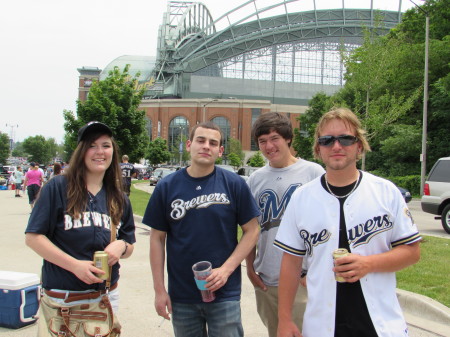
{"x": 222, "y": 319}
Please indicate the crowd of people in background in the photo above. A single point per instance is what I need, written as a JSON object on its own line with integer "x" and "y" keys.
{"x": 30, "y": 178}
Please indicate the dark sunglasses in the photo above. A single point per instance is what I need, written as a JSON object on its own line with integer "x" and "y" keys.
{"x": 344, "y": 140}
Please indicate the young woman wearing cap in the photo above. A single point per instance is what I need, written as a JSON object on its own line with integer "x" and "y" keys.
{"x": 73, "y": 218}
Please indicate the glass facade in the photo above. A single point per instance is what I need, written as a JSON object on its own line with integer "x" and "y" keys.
{"x": 255, "y": 114}
{"x": 224, "y": 125}
{"x": 178, "y": 133}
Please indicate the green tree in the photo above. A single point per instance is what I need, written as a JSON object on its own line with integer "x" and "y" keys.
{"x": 234, "y": 159}
{"x": 413, "y": 21}
{"x": 157, "y": 152}
{"x": 257, "y": 160}
{"x": 439, "y": 121}
{"x": 18, "y": 150}
{"x": 400, "y": 150}
{"x": 38, "y": 149}
{"x": 4, "y": 147}
{"x": 115, "y": 102}
{"x": 54, "y": 148}
{"x": 235, "y": 147}
{"x": 304, "y": 138}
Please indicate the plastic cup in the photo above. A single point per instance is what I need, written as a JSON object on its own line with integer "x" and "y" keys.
{"x": 201, "y": 271}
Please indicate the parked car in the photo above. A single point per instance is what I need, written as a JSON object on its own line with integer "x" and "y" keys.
{"x": 436, "y": 192}
{"x": 406, "y": 194}
{"x": 246, "y": 171}
{"x": 6, "y": 171}
{"x": 160, "y": 173}
{"x": 226, "y": 167}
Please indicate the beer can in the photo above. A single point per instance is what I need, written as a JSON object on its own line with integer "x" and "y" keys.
{"x": 340, "y": 252}
{"x": 101, "y": 262}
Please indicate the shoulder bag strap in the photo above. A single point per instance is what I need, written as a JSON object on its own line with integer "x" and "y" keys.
{"x": 113, "y": 238}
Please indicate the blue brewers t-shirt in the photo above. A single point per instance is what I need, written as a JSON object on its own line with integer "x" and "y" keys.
{"x": 201, "y": 217}
{"x": 78, "y": 238}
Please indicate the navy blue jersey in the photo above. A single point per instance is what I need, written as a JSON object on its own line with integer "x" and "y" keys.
{"x": 78, "y": 238}
{"x": 127, "y": 171}
{"x": 201, "y": 217}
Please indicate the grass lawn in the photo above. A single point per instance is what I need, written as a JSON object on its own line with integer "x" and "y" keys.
{"x": 139, "y": 199}
{"x": 429, "y": 277}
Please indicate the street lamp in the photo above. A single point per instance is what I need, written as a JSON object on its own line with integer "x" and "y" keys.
{"x": 204, "y": 109}
{"x": 11, "y": 135}
{"x": 423, "y": 155}
{"x": 180, "y": 149}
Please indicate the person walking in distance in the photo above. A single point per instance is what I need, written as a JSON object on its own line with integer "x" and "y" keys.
{"x": 76, "y": 215}
{"x": 57, "y": 170}
{"x": 18, "y": 178}
{"x": 346, "y": 209}
{"x": 194, "y": 213}
{"x": 128, "y": 172}
{"x": 33, "y": 181}
{"x": 272, "y": 187}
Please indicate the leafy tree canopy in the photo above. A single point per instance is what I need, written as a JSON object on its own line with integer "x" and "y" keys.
{"x": 157, "y": 152}
{"x": 113, "y": 101}
{"x": 257, "y": 160}
{"x": 234, "y": 159}
{"x": 235, "y": 147}
{"x": 38, "y": 149}
{"x": 4, "y": 147}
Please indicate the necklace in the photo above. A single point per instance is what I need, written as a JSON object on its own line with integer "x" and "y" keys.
{"x": 341, "y": 196}
{"x": 91, "y": 197}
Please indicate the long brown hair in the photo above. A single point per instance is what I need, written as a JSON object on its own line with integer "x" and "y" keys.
{"x": 77, "y": 196}
{"x": 57, "y": 169}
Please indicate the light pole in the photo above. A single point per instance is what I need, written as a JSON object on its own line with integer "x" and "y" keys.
{"x": 423, "y": 155}
{"x": 11, "y": 134}
{"x": 204, "y": 109}
{"x": 181, "y": 144}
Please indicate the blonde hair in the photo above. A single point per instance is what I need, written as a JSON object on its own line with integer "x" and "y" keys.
{"x": 350, "y": 120}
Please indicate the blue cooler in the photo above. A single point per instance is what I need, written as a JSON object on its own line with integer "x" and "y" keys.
{"x": 19, "y": 299}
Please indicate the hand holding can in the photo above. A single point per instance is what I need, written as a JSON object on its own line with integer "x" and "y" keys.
{"x": 201, "y": 271}
{"x": 101, "y": 262}
{"x": 341, "y": 252}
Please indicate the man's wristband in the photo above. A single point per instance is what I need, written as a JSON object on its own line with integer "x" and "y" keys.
{"x": 126, "y": 247}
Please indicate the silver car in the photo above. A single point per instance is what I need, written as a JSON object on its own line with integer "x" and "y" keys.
{"x": 160, "y": 173}
{"x": 436, "y": 194}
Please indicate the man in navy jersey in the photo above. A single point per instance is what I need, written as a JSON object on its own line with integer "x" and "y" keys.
{"x": 128, "y": 172}
{"x": 194, "y": 214}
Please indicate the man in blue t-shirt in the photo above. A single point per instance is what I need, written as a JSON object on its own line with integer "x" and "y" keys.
{"x": 197, "y": 210}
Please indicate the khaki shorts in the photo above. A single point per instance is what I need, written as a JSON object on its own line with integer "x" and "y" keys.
{"x": 267, "y": 306}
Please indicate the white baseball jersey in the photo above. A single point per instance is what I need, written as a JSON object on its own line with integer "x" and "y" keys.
{"x": 272, "y": 189}
{"x": 377, "y": 219}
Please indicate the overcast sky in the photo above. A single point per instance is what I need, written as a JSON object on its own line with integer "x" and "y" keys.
{"x": 43, "y": 42}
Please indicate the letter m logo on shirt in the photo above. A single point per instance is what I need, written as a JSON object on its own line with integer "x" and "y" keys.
{"x": 272, "y": 209}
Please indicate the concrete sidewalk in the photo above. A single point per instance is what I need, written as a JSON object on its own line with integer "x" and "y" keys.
{"x": 426, "y": 318}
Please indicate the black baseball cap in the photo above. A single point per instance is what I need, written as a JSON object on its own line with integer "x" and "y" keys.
{"x": 93, "y": 126}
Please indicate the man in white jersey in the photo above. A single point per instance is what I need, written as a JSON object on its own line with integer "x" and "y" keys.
{"x": 345, "y": 208}
{"x": 272, "y": 186}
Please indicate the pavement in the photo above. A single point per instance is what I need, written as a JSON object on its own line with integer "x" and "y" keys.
{"x": 425, "y": 317}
